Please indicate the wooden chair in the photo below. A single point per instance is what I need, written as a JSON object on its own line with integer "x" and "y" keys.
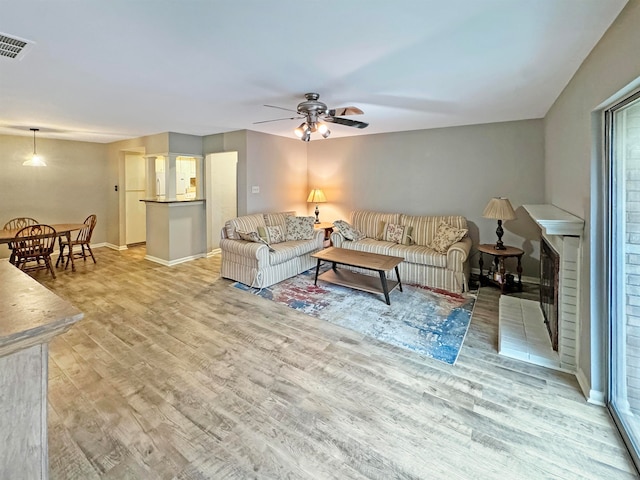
{"x": 83, "y": 240}
{"x": 17, "y": 224}
{"x": 34, "y": 243}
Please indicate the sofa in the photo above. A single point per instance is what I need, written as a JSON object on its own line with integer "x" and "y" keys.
{"x": 262, "y": 261}
{"x": 416, "y": 238}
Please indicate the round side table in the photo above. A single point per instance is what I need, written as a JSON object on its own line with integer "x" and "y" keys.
{"x": 498, "y": 260}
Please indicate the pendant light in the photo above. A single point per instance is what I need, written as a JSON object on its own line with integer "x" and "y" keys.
{"x": 35, "y": 160}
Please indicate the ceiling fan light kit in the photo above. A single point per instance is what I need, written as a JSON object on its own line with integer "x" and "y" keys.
{"x": 316, "y": 113}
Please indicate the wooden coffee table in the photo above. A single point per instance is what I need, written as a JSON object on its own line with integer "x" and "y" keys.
{"x": 358, "y": 281}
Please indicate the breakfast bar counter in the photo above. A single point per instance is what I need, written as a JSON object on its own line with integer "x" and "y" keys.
{"x": 30, "y": 316}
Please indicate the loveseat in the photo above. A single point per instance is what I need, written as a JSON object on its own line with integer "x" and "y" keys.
{"x": 257, "y": 249}
{"x": 422, "y": 242}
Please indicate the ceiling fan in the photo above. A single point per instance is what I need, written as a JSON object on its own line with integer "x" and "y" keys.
{"x": 316, "y": 115}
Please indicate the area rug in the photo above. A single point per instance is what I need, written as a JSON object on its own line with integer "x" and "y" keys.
{"x": 430, "y": 322}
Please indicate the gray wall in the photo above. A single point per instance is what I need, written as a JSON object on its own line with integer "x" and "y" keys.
{"x": 452, "y": 170}
{"x": 574, "y": 167}
{"x": 278, "y": 166}
{"x": 69, "y": 189}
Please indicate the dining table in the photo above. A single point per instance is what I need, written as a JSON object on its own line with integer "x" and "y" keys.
{"x": 62, "y": 229}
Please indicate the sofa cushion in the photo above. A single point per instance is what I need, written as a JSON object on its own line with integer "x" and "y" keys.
{"x": 347, "y": 231}
{"x": 271, "y": 219}
{"x": 391, "y": 232}
{"x": 419, "y": 254}
{"x": 299, "y": 228}
{"x": 287, "y": 250}
{"x": 253, "y": 237}
{"x": 446, "y": 236}
{"x": 272, "y": 234}
{"x": 369, "y": 222}
{"x": 246, "y": 223}
{"x": 425, "y": 227}
{"x": 370, "y": 245}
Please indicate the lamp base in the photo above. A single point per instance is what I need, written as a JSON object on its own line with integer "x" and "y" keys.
{"x": 317, "y": 212}
{"x": 499, "y": 233}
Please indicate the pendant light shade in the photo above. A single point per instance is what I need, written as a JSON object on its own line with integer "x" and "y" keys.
{"x": 36, "y": 160}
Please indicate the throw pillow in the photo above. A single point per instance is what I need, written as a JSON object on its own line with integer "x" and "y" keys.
{"x": 347, "y": 231}
{"x": 299, "y": 228}
{"x": 271, "y": 233}
{"x": 253, "y": 237}
{"x": 446, "y": 235}
{"x": 391, "y": 232}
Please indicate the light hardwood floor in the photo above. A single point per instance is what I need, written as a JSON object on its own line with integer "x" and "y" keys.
{"x": 173, "y": 374}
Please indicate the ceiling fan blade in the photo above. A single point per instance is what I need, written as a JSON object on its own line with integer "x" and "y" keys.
{"x": 277, "y": 120}
{"x": 281, "y": 108}
{"x": 347, "y": 122}
{"x": 345, "y": 111}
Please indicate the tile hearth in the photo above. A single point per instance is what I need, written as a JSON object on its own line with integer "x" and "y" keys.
{"x": 523, "y": 334}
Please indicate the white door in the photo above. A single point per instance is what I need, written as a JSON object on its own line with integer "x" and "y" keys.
{"x": 221, "y": 193}
{"x": 135, "y": 183}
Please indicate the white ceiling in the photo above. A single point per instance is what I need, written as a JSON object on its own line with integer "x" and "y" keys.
{"x": 103, "y": 71}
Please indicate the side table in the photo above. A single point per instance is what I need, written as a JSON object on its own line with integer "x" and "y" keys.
{"x": 498, "y": 260}
{"x": 328, "y": 228}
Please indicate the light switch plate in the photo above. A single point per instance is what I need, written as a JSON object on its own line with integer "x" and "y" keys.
{"x": 255, "y": 189}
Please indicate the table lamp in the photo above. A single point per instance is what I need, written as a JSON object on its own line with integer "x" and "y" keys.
{"x": 499, "y": 208}
{"x": 316, "y": 196}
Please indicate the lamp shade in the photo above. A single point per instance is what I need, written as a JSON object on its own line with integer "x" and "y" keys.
{"x": 499, "y": 208}
{"x": 316, "y": 196}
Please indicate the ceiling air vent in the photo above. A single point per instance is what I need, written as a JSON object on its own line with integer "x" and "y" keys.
{"x": 13, "y": 47}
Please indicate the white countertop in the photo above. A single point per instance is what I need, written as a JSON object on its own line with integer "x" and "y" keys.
{"x": 29, "y": 312}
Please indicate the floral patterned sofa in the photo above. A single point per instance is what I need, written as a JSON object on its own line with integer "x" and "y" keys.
{"x": 435, "y": 248}
{"x": 266, "y": 248}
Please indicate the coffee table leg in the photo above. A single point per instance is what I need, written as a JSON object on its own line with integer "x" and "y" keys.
{"x": 385, "y": 289}
{"x": 315, "y": 282}
{"x": 398, "y": 277}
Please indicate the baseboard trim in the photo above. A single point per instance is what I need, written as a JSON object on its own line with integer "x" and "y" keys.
{"x": 114, "y": 247}
{"x": 595, "y": 397}
{"x": 215, "y": 251}
{"x": 171, "y": 263}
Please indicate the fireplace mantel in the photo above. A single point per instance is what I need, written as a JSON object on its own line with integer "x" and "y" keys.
{"x": 555, "y": 221}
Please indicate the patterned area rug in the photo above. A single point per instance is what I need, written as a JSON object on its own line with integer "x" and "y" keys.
{"x": 432, "y": 323}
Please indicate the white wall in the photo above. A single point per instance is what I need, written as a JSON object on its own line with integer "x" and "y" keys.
{"x": 69, "y": 189}
{"x": 452, "y": 170}
{"x": 574, "y": 171}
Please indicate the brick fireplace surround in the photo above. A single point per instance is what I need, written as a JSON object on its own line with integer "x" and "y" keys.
{"x": 522, "y": 331}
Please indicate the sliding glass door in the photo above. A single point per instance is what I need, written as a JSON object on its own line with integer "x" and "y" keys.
{"x": 623, "y": 152}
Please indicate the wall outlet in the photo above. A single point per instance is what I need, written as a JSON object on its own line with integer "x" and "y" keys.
{"x": 255, "y": 189}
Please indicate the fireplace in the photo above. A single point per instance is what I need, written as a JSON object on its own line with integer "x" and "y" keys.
{"x": 546, "y": 331}
{"x": 549, "y": 282}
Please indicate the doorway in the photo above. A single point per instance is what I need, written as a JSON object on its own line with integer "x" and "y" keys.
{"x": 623, "y": 237}
{"x": 135, "y": 190}
{"x": 221, "y": 194}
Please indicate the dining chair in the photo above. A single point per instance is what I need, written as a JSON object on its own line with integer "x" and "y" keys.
{"x": 16, "y": 224}
{"x": 83, "y": 239}
{"x": 33, "y": 246}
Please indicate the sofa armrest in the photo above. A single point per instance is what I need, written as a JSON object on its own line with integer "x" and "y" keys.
{"x": 458, "y": 254}
{"x": 243, "y": 248}
{"x": 318, "y": 237}
{"x": 337, "y": 239}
